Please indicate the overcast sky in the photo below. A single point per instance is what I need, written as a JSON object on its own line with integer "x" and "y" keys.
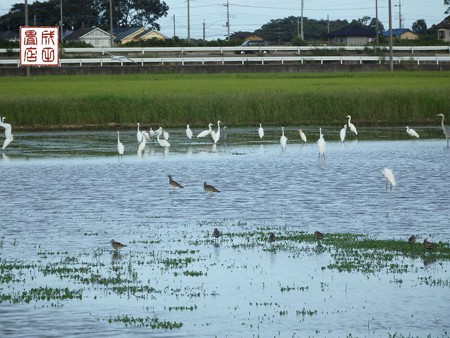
{"x": 249, "y": 15}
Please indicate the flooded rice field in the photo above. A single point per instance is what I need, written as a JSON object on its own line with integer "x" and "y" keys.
{"x": 66, "y": 195}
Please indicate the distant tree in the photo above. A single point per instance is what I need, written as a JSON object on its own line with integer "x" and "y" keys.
{"x": 373, "y": 24}
{"x": 447, "y": 2}
{"x": 420, "y": 27}
{"x": 365, "y": 20}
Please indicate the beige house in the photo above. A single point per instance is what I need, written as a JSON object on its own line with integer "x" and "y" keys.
{"x": 95, "y": 36}
{"x": 402, "y": 34}
{"x": 127, "y": 34}
{"x": 151, "y": 34}
{"x": 443, "y": 29}
{"x": 352, "y": 35}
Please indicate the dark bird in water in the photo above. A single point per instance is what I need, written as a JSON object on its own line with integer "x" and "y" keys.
{"x": 318, "y": 235}
{"x": 174, "y": 184}
{"x": 271, "y": 238}
{"x": 428, "y": 245}
{"x": 209, "y": 188}
{"x": 412, "y": 239}
{"x": 117, "y": 245}
{"x": 216, "y": 234}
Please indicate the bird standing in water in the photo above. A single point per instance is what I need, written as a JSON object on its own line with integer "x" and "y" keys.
{"x": 117, "y": 245}
{"x": 209, "y": 188}
{"x": 174, "y": 184}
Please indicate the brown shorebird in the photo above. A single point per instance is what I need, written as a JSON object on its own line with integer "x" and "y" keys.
{"x": 209, "y": 188}
{"x": 428, "y": 245}
{"x": 216, "y": 234}
{"x": 412, "y": 239}
{"x": 117, "y": 245}
{"x": 271, "y": 238}
{"x": 174, "y": 184}
{"x": 318, "y": 235}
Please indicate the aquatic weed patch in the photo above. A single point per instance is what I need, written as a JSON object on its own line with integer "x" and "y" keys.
{"x": 151, "y": 322}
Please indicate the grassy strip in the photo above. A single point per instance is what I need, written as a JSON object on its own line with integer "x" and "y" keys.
{"x": 173, "y": 100}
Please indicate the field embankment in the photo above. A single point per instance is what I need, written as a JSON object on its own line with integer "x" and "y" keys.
{"x": 172, "y": 100}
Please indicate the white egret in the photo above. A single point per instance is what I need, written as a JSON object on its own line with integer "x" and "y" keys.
{"x": 141, "y": 146}
{"x": 174, "y": 184}
{"x": 260, "y": 131}
{"x": 224, "y": 133}
{"x": 445, "y": 130}
{"x": 411, "y": 132}
{"x": 165, "y": 135}
{"x": 139, "y": 134}
{"x": 343, "y": 132}
{"x": 7, "y": 142}
{"x": 206, "y": 132}
{"x": 8, "y": 132}
{"x": 351, "y": 125}
{"x": 389, "y": 176}
{"x": 321, "y": 144}
{"x": 146, "y": 135}
{"x": 120, "y": 146}
{"x": 209, "y": 188}
{"x": 189, "y": 133}
{"x": 163, "y": 143}
{"x": 151, "y": 132}
{"x": 283, "y": 139}
{"x": 216, "y": 134}
{"x": 302, "y": 135}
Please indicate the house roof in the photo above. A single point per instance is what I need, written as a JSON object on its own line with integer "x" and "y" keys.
{"x": 148, "y": 31}
{"x": 82, "y": 32}
{"x": 353, "y": 30}
{"x": 396, "y": 32}
{"x": 10, "y": 35}
{"x": 444, "y": 23}
{"x": 121, "y": 33}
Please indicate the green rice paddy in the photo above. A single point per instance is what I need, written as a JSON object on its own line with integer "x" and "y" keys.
{"x": 173, "y": 100}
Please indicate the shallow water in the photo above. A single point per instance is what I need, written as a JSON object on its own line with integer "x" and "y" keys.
{"x": 65, "y": 195}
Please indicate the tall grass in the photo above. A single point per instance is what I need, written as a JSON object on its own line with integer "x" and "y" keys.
{"x": 236, "y": 99}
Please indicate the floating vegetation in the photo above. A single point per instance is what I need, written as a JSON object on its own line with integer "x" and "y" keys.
{"x": 42, "y": 294}
{"x": 153, "y": 323}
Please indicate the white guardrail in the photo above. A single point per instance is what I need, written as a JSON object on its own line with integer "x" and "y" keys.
{"x": 183, "y": 61}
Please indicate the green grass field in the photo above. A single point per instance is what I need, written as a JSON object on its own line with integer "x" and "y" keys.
{"x": 378, "y": 98}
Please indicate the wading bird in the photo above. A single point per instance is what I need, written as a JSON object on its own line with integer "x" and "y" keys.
{"x": 343, "y": 132}
{"x": 139, "y": 135}
{"x": 120, "y": 146}
{"x": 215, "y": 135}
{"x": 174, "y": 184}
{"x": 389, "y": 176}
{"x": 141, "y": 146}
{"x": 318, "y": 235}
{"x": 428, "y": 245}
{"x": 189, "y": 132}
{"x": 411, "y": 132}
{"x": 8, "y": 132}
{"x": 163, "y": 143}
{"x": 412, "y": 239}
{"x": 224, "y": 133}
{"x": 117, "y": 245}
{"x": 321, "y": 144}
{"x": 272, "y": 238}
{"x": 302, "y": 135}
{"x": 216, "y": 234}
{"x": 260, "y": 131}
{"x": 283, "y": 139}
{"x": 445, "y": 130}
{"x": 351, "y": 125}
{"x": 209, "y": 188}
{"x": 206, "y": 132}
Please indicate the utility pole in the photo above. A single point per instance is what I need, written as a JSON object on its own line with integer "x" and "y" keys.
{"x": 228, "y": 19}
{"x": 376, "y": 24}
{"x": 399, "y": 14}
{"x": 111, "y": 22}
{"x": 174, "y": 35}
{"x": 61, "y": 22}
{"x": 302, "y": 36}
{"x": 188, "y": 22}
{"x": 298, "y": 26}
{"x": 391, "y": 52}
{"x": 204, "y": 30}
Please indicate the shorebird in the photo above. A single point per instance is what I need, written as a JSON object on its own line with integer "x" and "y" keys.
{"x": 318, "y": 235}
{"x": 428, "y": 245}
{"x": 272, "y": 238}
{"x": 411, "y": 132}
{"x": 117, "y": 245}
{"x": 174, "y": 184}
{"x": 260, "y": 131}
{"x": 216, "y": 234}
{"x": 351, "y": 125}
{"x": 412, "y": 239}
{"x": 302, "y": 135}
{"x": 389, "y": 176}
{"x": 209, "y": 188}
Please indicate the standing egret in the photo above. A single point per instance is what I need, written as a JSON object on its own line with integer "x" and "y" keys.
{"x": 146, "y": 135}
{"x": 8, "y": 132}
{"x": 206, "y": 132}
{"x": 411, "y": 132}
{"x": 141, "y": 146}
{"x": 120, "y": 146}
{"x": 343, "y": 132}
{"x": 445, "y": 130}
{"x": 163, "y": 143}
{"x": 209, "y": 188}
{"x": 151, "y": 133}
{"x": 189, "y": 133}
{"x": 139, "y": 134}
{"x": 216, "y": 134}
{"x": 302, "y": 135}
{"x": 321, "y": 144}
{"x": 260, "y": 131}
{"x": 351, "y": 125}
{"x": 389, "y": 176}
{"x": 174, "y": 184}
{"x": 224, "y": 133}
{"x": 283, "y": 139}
